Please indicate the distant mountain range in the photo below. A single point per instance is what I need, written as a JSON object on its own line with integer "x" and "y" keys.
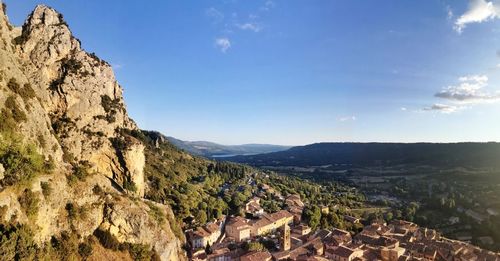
{"x": 214, "y": 150}
{"x": 378, "y": 154}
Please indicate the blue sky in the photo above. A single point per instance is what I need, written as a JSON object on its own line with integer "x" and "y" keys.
{"x": 296, "y": 72}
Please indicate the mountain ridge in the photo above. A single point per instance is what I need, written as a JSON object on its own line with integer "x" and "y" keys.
{"x": 473, "y": 154}
{"x": 212, "y": 149}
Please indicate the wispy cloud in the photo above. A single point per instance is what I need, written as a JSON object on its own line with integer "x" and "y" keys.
{"x": 117, "y": 66}
{"x": 223, "y": 44}
{"x": 469, "y": 90}
{"x": 449, "y": 12}
{"x": 442, "y": 108}
{"x": 214, "y": 14}
{"x": 347, "y": 118}
{"x": 249, "y": 26}
{"x": 479, "y": 11}
{"x": 268, "y": 5}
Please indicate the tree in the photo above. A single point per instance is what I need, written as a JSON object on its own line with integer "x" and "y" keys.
{"x": 312, "y": 216}
{"x": 255, "y": 246}
{"x": 201, "y": 217}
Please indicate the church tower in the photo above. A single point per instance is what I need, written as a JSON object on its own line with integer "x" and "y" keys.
{"x": 285, "y": 239}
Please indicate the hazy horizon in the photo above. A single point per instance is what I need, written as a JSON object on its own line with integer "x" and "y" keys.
{"x": 290, "y": 73}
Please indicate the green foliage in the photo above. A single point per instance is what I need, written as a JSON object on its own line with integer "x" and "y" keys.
{"x": 21, "y": 162}
{"x": 129, "y": 185}
{"x": 85, "y": 249}
{"x": 312, "y": 216}
{"x": 111, "y": 107}
{"x": 140, "y": 252}
{"x": 254, "y": 246}
{"x": 46, "y": 188}
{"x": 11, "y": 115}
{"x": 80, "y": 172}
{"x": 16, "y": 243}
{"x": 137, "y": 251}
{"x": 98, "y": 190}
{"x": 29, "y": 202}
{"x": 107, "y": 240}
{"x": 75, "y": 212}
{"x": 156, "y": 213}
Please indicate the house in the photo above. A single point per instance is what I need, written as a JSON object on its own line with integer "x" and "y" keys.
{"x": 343, "y": 253}
{"x": 474, "y": 215}
{"x": 253, "y": 207}
{"x": 302, "y": 230}
{"x": 391, "y": 254}
{"x": 351, "y": 219}
{"x": 294, "y": 201}
{"x": 205, "y": 235}
{"x": 454, "y": 220}
{"x": 223, "y": 254}
{"x": 238, "y": 229}
{"x": 270, "y": 222}
{"x": 256, "y": 256}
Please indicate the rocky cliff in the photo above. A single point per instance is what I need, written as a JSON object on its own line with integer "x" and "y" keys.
{"x": 68, "y": 165}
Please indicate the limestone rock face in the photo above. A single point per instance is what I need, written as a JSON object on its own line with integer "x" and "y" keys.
{"x": 134, "y": 161}
{"x": 75, "y": 117}
{"x": 136, "y": 223}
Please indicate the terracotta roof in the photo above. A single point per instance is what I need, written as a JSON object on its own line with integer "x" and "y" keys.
{"x": 256, "y": 256}
{"x": 343, "y": 252}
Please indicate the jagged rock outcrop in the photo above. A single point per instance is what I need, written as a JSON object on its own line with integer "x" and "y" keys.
{"x": 71, "y": 107}
{"x": 130, "y": 223}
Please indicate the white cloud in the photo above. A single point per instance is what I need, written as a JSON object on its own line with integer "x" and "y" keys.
{"x": 249, "y": 26}
{"x": 469, "y": 90}
{"x": 404, "y": 109}
{"x": 223, "y": 44}
{"x": 442, "y": 108}
{"x": 347, "y": 118}
{"x": 449, "y": 12}
{"x": 268, "y": 5}
{"x": 214, "y": 14}
{"x": 117, "y": 66}
{"x": 479, "y": 11}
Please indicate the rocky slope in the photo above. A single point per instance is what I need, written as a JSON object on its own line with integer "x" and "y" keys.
{"x": 62, "y": 106}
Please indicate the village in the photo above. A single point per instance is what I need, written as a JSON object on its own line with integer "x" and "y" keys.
{"x": 283, "y": 235}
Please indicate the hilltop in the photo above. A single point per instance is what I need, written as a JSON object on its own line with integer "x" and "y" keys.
{"x": 211, "y": 149}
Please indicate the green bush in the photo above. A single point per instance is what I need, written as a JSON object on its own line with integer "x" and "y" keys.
{"x": 156, "y": 213}
{"x": 80, "y": 172}
{"x": 46, "y": 189}
{"x": 140, "y": 252}
{"x": 111, "y": 107}
{"x": 29, "y": 202}
{"x": 13, "y": 85}
{"x": 20, "y": 162}
{"x": 129, "y": 185}
{"x": 12, "y": 113}
{"x": 85, "y": 250}
{"x": 75, "y": 212}
{"x": 107, "y": 240}
{"x": 16, "y": 243}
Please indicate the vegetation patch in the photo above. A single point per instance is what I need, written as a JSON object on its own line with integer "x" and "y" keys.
{"x": 136, "y": 251}
{"x": 81, "y": 171}
{"x": 21, "y": 162}
{"x": 111, "y": 107}
{"x": 75, "y": 212}
{"x": 156, "y": 213}
{"x": 29, "y": 202}
{"x": 46, "y": 189}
